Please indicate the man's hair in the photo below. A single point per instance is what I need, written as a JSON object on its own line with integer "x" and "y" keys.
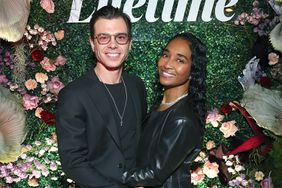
{"x": 109, "y": 12}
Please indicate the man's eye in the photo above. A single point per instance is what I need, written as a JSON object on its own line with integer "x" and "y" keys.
{"x": 122, "y": 37}
{"x": 103, "y": 37}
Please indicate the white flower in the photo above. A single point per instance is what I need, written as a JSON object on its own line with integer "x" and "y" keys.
{"x": 41, "y": 153}
{"x": 231, "y": 170}
{"x": 69, "y": 180}
{"x": 229, "y": 163}
{"x": 54, "y": 178}
{"x": 37, "y": 143}
{"x": 23, "y": 156}
{"x": 239, "y": 168}
{"x": 245, "y": 183}
{"x": 53, "y": 149}
{"x": 259, "y": 175}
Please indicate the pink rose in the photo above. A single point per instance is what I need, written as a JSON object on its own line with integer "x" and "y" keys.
{"x": 60, "y": 34}
{"x": 38, "y": 111}
{"x": 197, "y": 176}
{"x": 211, "y": 169}
{"x": 33, "y": 182}
{"x": 55, "y": 85}
{"x": 210, "y": 145}
{"x": 3, "y": 79}
{"x": 30, "y": 84}
{"x": 60, "y": 60}
{"x": 30, "y": 102}
{"x": 41, "y": 77}
{"x": 214, "y": 117}
{"x": 47, "y": 65}
{"x": 48, "y": 5}
{"x": 273, "y": 58}
{"x": 228, "y": 129}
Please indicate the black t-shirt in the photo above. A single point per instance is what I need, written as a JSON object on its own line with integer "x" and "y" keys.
{"x": 127, "y": 132}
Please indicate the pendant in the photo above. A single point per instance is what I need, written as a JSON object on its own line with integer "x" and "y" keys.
{"x": 121, "y": 123}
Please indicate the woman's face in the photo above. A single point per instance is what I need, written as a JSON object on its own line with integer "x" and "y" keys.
{"x": 174, "y": 65}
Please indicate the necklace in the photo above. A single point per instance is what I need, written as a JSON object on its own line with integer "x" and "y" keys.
{"x": 175, "y": 101}
{"x": 125, "y": 102}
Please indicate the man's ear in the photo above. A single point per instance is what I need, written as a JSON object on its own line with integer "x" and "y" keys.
{"x": 92, "y": 43}
{"x": 130, "y": 44}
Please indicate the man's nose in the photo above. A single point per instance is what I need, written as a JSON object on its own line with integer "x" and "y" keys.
{"x": 113, "y": 42}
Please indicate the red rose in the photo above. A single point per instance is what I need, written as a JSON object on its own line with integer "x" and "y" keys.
{"x": 265, "y": 81}
{"x": 225, "y": 109}
{"x": 47, "y": 117}
{"x": 36, "y": 55}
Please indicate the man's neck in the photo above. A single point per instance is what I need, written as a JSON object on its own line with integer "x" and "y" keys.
{"x": 108, "y": 76}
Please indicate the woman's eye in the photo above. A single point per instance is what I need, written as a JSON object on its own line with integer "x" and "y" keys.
{"x": 164, "y": 55}
{"x": 180, "y": 61}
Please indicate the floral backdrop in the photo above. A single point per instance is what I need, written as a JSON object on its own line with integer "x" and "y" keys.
{"x": 242, "y": 144}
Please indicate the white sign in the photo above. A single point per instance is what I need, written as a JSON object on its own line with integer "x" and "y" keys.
{"x": 210, "y": 6}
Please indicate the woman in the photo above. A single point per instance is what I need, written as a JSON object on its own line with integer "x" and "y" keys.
{"x": 172, "y": 134}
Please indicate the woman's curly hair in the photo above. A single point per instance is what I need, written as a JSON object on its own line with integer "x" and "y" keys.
{"x": 197, "y": 87}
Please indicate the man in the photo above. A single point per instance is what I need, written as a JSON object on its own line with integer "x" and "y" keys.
{"x": 99, "y": 115}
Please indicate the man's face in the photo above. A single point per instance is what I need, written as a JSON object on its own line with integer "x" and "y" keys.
{"x": 110, "y": 55}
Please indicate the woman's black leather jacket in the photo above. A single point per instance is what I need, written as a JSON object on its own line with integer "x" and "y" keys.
{"x": 171, "y": 140}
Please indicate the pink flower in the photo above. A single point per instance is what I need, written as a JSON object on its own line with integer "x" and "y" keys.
{"x": 228, "y": 129}
{"x": 38, "y": 111}
{"x": 214, "y": 117}
{"x": 30, "y": 84}
{"x": 47, "y": 65}
{"x": 30, "y": 102}
{"x": 41, "y": 77}
{"x": 267, "y": 183}
{"x": 211, "y": 169}
{"x": 48, "y": 5}
{"x": 33, "y": 182}
{"x": 197, "y": 176}
{"x": 210, "y": 145}
{"x": 60, "y": 61}
{"x": 55, "y": 85}
{"x": 3, "y": 79}
{"x": 273, "y": 58}
{"x": 60, "y": 34}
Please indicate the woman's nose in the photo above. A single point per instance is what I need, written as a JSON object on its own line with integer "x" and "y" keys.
{"x": 168, "y": 63}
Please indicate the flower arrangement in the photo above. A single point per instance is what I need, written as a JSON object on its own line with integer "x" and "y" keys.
{"x": 38, "y": 164}
{"x": 215, "y": 166}
{"x": 42, "y": 83}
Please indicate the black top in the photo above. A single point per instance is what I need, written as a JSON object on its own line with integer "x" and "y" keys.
{"x": 127, "y": 132}
{"x": 170, "y": 141}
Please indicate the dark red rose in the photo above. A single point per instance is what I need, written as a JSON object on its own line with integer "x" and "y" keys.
{"x": 36, "y": 55}
{"x": 47, "y": 117}
{"x": 226, "y": 109}
{"x": 265, "y": 81}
